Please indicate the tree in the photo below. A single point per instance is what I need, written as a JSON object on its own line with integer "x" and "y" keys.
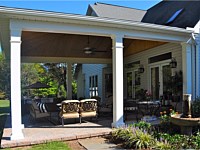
{"x": 57, "y": 72}
{"x": 31, "y": 73}
{"x": 4, "y": 77}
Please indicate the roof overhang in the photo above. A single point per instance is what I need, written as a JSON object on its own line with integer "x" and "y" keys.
{"x": 129, "y": 29}
{"x": 26, "y": 14}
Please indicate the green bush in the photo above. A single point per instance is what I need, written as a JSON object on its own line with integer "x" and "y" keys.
{"x": 2, "y": 95}
{"x": 162, "y": 146}
{"x": 138, "y": 136}
{"x": 196, "y": 107}
{"x": 143, "y": 125}
{"x": 133, "y": 137}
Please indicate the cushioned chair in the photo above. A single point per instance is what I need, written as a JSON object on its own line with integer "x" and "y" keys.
{"x": 88, "y": 108}
{"x": 38, "y": 111}
{"x": 69, "y": 109}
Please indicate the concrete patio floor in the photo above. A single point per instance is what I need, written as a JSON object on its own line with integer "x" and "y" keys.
{"x": 45, "y": 131}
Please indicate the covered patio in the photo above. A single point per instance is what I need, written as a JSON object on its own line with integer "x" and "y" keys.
{"x": 39, "y": 36}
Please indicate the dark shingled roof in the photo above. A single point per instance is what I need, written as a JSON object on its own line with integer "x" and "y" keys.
{"x": 114, "y": 11}
{"x": 163, "y": 11}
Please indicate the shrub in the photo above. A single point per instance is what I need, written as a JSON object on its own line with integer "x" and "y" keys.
{"x": 163, "y": 145}
{"x": 133, "y": 137}
{"x": 143, "y": 125}
{"x": 196, "y": 107}
{"x": 142, "y": 140}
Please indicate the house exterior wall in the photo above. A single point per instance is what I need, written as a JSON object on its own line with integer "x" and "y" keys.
{"x": 143, "y": 58}
{"x": 198, "y": 64}
{"x": 92, "y": 70}
{"x": 80, "y": 83}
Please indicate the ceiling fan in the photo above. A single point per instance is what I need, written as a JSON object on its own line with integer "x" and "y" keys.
{"x": 90, "y": 50}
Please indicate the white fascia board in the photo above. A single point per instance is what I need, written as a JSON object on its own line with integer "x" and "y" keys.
{"x": 196, "y": 28}
{"x": 90, "y": 20}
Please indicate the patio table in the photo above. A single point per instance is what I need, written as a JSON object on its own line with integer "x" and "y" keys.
{"x": 148, "y": 107}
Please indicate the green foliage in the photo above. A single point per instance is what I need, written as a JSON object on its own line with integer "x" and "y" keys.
{"x": 2, "y": 95}
{"x": 137, "y": 136}
{"x": 45, "y": 73}
{"x": 4, "y": 110}
{"x": 178, "y": 141}
{"x": 133, "y": 137}
{"x": 4, "y": 77}
{"x": 51, "y": 146}
{"x": 143, "y": 125}
{"x": 142, "y": 140}
{"x": 196, "y": 140}
{"x": 162, "y": 146}
{"x": 196, "y": 107}
{"x": 74, "y": 87}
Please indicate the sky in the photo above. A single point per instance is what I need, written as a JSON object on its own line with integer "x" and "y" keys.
{"x": 76, "y": 6}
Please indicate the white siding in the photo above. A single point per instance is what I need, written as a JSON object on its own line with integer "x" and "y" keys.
{"x": 198, "y": 64}
{"x": 80, "y": 83}
{"x": 143, "y": 58}
{"x": 92, "y": 70}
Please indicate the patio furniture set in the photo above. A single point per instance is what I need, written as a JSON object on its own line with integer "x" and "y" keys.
{"x": 90, "y": 108}
{"x": 145, "y": 110}
{"x": 67, "y": 109}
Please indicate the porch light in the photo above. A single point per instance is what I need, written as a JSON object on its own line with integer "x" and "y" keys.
{"x": 173, "y": 63}
{"x": 141, "y": 69}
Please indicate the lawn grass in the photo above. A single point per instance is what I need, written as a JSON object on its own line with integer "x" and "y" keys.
{"x": 4, "y": 106}
{"x": 4, "y": 110}
{"x": 51, "y": 146}
{"x": 47, "y": 146}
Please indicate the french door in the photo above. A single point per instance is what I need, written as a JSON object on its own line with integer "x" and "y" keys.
{"x": 133, "y": 83}
{"x": 160, "y": 76}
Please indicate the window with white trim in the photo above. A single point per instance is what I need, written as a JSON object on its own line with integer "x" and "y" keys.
{"x": 93, "y": 85}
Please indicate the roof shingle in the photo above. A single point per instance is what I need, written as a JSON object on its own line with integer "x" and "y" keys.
{"x": 117, "y": 12}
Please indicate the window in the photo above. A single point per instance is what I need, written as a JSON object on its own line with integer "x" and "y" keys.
{"x": 174, "y": 16}
{"x": 108, "y": 85}
{"x": 93, "y": 85}
{"x": 160, "y": 58}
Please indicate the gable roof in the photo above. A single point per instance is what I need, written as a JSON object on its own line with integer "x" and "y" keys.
{"x": 180, "y": 14}
{"x": 114, "y": 11}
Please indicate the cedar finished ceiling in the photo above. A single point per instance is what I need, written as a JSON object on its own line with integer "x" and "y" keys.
{"x": 42, "y": 44}
{"x": 136, "y": 46}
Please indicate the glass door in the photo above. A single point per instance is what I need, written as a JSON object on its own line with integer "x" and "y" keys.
{"x": 129, "y": 76}
{"x": 155, "y": 82}
{"x": 166, "y": 80}
{"x": 133, "y": 84}
{"x": 160, "y": 80}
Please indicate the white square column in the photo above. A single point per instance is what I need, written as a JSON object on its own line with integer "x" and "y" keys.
{"x": 15, "y": 63}
{"x": 117, "y": 64}
{"x": 69, "y": 81}
{"x": 187, "y": 68}
{"x": 197, "y": 48}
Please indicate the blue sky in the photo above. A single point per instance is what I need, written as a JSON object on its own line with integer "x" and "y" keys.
{"x": 76, "y": 6}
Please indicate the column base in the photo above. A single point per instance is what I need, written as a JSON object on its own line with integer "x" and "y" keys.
{"x": 117, "y": 124}
{"x": 17, "y": 135}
